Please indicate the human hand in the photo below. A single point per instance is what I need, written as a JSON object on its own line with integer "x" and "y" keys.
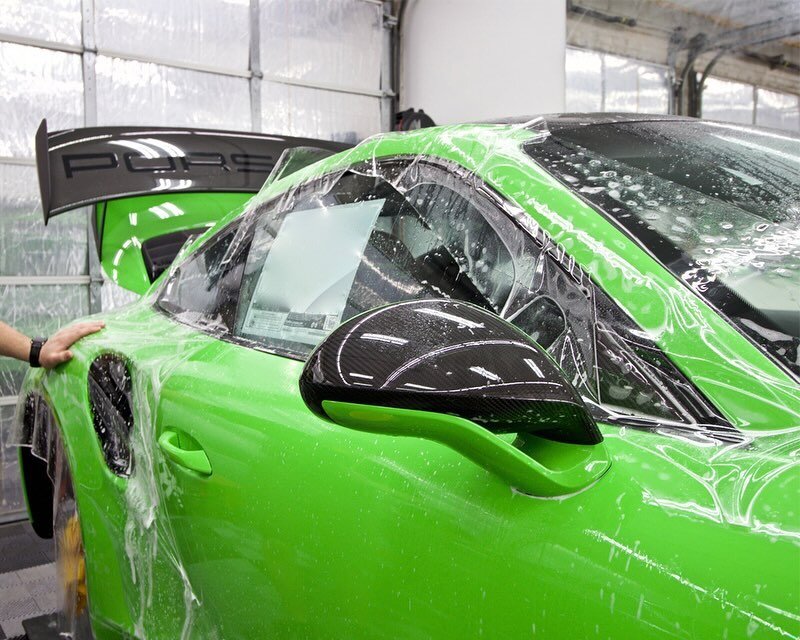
{"x": 56, "y": 349}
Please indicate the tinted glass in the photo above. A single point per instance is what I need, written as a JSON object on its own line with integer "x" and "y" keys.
{"x": 719, "y": 205}
{"x": 204, "y": 290}
{"x": 326, "y": 254}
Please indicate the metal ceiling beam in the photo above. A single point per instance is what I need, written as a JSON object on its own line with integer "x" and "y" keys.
{"x": 754, "y": 34}
{"x": 600, "y": 15}
{"x": 730, "y": 41}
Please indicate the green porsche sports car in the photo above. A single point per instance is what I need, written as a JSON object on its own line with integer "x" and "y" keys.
{"x": 530, "y": 378}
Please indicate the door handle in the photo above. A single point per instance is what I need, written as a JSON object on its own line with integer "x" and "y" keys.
{"x": 185, "y": 451}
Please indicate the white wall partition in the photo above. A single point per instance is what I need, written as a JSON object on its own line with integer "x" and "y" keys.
{"x": 465, "y": 60}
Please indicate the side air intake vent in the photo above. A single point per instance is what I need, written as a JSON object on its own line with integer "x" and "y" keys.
{"x": 110, "y": 403}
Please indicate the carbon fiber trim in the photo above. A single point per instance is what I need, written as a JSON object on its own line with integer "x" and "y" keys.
{"x": 448, "y": 357}
{"x": 78, "y": 167}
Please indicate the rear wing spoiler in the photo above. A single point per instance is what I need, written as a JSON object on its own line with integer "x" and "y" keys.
{"x": 79, "y": 167}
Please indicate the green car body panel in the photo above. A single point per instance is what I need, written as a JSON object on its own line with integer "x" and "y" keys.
{"x": 307, "y": 529}
{"x": 128, "y": 222}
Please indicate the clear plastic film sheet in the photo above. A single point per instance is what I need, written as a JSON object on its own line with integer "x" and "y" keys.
{"x": 604, "y": 82}
{"x": 209, "y": 33}
{"x": 293, "y": 513}
{"x": 56, "y": 21}
{"x": 777, "y": 110}
{"x": 144, "y": 93}
{"x": 318, "y": 113}
{"x": 584, "y": 81}
{"x": 336, "y": 44}
{"x": 729, "y": 101}
{"x": 35, "y": 83}
{"x": 30, "y": 308}
{"x": 10, "y": 481}
{"x": 29, "y": 248}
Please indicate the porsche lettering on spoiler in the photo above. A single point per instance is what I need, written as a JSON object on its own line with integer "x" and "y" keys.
{"x": 137, "y": 163}
{"x": 78, "y": 167}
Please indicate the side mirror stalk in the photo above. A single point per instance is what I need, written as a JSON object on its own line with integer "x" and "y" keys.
{"x": 460, "y": 375}
{"x": 572, "y": 467}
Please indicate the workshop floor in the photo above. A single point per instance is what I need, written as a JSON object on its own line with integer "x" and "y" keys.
{"x": 27, "y": 578}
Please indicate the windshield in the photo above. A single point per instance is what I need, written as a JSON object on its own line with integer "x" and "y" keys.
{"x": 717, "y": 204}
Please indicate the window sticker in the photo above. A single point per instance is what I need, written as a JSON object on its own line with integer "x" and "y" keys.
{"x": 303, "y": 301}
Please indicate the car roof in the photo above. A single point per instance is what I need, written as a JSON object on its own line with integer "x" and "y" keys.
{"x": 564, "y": 121}
{"x": 588, "y": 118}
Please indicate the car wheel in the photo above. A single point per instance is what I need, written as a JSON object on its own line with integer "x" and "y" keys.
{"x": 73, "y": 603}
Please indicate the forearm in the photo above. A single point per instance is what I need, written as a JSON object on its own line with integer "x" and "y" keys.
{"x": 13, "y": 343}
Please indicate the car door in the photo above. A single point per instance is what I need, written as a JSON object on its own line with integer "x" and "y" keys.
{"x": 290, "y": 526}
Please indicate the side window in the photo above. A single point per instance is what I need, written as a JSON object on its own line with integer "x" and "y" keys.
{"x": 557, "y": 312}
{"x": 465, "y": 249}
{"x": 331, "y": 252}
{"x": 204, "y": 290}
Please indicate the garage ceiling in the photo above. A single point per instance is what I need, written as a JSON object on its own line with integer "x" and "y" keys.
{"x": 771, "y": 27}
{"x": 728, "y": 14}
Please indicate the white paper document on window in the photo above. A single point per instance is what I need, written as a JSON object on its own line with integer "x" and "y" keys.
{"x": 303, "y": 301}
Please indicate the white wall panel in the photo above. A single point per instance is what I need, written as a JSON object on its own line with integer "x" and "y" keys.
{"x": 316, "y": 113}
{"x": 37, "y": 83}
{"x": 468, "y": 60}
{"x": 142, "y": 93}
{"x": 335, "y": 43}
{"x": 778, "y": 110}
{"x": 51, "y": 20}
{"x": 728, "y": 101}
{"x": 212, "y": 33}
{"x": 27, "y": 247}
{"x": 584, "y": 81}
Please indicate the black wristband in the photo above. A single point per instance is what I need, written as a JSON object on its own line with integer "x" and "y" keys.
{"x": 36, "y": 349}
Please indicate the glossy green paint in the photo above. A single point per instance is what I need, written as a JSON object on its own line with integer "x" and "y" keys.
{"x": 125, "y": 223}
{"x": 532, "y": 465}
{"x": 307, "y": 528}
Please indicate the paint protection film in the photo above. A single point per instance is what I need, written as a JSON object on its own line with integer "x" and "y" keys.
{"x": 719, "y": 205}
{"x": 405, "y": 229}
{"x": 242, "y": 514}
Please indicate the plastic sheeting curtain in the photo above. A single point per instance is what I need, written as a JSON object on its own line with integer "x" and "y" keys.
{"x": 729, "y": 101}
{"x": 603, "y": 82}
{"x": 159, "y": 63}
{"x": 746, "y": 104}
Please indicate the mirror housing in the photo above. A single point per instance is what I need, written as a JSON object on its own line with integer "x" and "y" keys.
{"x": 447, "y": 357}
